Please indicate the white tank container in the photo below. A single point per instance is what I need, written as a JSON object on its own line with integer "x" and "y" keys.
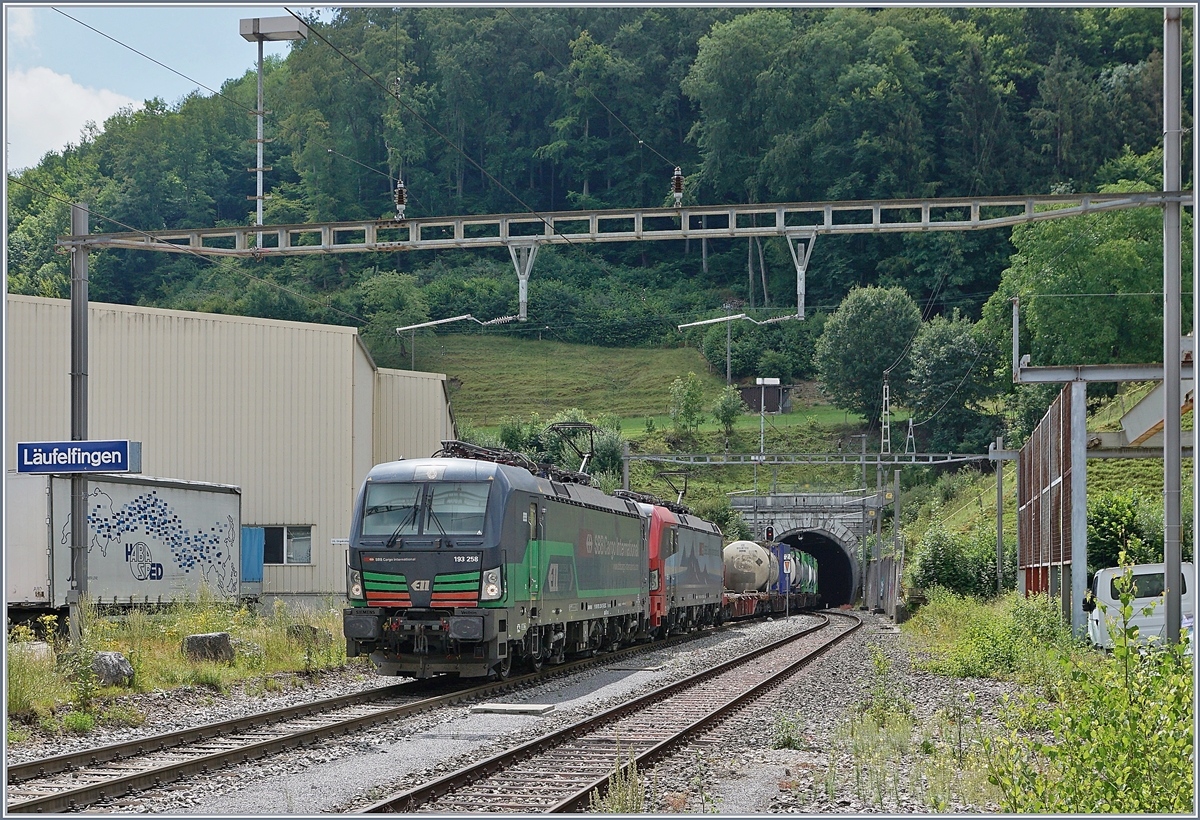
{"x": 747, "y": 566}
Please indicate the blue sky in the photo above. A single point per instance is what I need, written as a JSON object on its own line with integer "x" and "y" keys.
{"x": 59, "y": 74}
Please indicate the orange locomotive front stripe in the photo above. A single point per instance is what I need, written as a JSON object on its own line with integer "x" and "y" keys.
{"x": 385, "y": 597}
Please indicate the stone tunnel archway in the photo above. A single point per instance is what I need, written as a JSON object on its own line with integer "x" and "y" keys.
{"x": 837, "y": 567}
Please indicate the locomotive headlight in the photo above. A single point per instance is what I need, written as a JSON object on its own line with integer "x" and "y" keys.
{"x": 493, "y": 589}
{"x": 354, "y": 584}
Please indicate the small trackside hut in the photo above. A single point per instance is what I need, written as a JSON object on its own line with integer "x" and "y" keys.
{"x": 466, "y": 566}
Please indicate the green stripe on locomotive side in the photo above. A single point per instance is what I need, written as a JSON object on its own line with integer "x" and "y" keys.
{"x": 438, "y": 586}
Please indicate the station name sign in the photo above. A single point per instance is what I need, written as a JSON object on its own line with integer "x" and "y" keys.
{"x": 79, "y": 457}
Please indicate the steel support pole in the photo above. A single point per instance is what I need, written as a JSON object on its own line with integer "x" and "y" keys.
{"x": 259, "y": 143}
{"x": 891, "y": 603}
{"x": 523, "y": 257}
{"x": 762, "y": 418}
{"x": 625, "y": 466}
{"x": 79, "y": 415}
{"x": 863, "y": 580}
{"x": 728, "y": 351}
{"x": 999, "y": 518}
{"x": 1195, "y": 317}
{"x": 879, "y": 516}
{"x": 1172, "y": 236}
{"x": 1078, "y": 506}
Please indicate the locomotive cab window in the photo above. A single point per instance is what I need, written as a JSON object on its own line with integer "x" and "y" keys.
{"x": 391, "y": 507}
{"x": 456, "y": 508}
{"x": 287, "y": 545}
{"x": 437, "y": 508}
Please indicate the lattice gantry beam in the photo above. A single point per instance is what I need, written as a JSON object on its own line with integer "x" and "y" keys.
{"x": 793, "y": 220}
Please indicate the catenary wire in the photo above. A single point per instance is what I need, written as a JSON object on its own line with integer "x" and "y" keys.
{"x": 326, "y": 305}
{"x": 592, "y": 95}
{"x": 312, "y": 28}
{"x": 223, "y": 96}
{"x": 961, "y": 382}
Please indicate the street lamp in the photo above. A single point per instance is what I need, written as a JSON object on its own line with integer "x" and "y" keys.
{"x": 466, "y": 316}
{"x": 762, "y": 410}
{"x": 762, "y": 423}
{"x": 259, "y": 30}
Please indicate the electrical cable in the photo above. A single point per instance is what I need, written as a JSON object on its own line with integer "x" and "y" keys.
{"x": 1072, "y": 295}
{"x": 326, "y": 305}
{"x": 592, "y": 95}
{"x": 313, "y": 29}
{"x": 225, "y": 97}
{"x": 955, "y": 391}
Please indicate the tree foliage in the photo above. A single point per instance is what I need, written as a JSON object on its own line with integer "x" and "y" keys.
{"x": 1105, "y": 266}
{"x": 866, "y": 335}
{"x": 727, "y": 407}
{"x": 687, "y": 403}
{"x": 556, "y": 108}
{"x": 946, "y": 386}
{"x": 964, "y": 564}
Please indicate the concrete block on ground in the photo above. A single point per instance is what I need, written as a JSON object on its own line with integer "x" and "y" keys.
{"x": 33, "y": 650}
{"x": 514, "y": 708}
{"x": 211, "y": 646}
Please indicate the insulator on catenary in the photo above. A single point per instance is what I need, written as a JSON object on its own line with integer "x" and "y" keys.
{"x": 401, "y": 198}
{"x": 677, "y": 186}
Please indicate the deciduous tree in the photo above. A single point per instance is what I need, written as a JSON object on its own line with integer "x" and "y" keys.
{"x": 868, "y": 333}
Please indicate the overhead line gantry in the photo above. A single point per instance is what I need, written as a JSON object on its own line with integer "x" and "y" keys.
{"x": 798, "y": 223}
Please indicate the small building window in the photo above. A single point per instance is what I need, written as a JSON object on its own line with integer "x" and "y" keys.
{"x": 287, "y": 545}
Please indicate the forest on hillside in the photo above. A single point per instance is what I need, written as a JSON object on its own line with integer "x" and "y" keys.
{"x": 499, "y": 111}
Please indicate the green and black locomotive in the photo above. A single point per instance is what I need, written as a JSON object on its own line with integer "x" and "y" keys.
{"x": 470, "y": 566}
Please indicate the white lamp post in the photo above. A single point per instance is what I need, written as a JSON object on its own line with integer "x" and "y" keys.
{"x": 762, "y": 410}
{"x": 259, "y": 30}
{"x": 466, "y": 316}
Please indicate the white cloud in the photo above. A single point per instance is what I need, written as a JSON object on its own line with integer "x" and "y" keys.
{"x": 46, "y": 111}
{"x": 21, "y": 25}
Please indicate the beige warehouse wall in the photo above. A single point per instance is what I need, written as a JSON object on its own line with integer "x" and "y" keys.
{"x": 282, "y": 409}
{"x": 412, "y": 416}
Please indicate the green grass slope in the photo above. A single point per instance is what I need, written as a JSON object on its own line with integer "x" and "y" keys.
{"x": 496, "y": 376}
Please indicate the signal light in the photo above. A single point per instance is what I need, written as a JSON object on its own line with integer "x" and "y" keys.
{"x": 770, "y": 533}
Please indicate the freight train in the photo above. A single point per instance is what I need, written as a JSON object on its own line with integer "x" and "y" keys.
{"x": 478, "y": 561}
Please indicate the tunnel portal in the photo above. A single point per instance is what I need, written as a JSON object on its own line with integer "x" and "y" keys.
{"x": 837, "y": 570}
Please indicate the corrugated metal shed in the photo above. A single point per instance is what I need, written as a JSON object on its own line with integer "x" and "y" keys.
{"x": 293, "y": 413}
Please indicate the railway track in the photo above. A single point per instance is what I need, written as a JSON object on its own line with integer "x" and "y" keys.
{"x": 72, "y": 781}
{"x": 558, "y": 771}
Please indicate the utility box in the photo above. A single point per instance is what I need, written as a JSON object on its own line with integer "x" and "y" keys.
{"x": 776, "y": 398}
{"x": 150, "y": 540}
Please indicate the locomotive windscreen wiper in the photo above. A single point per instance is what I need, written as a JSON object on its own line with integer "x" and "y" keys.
{"x": 433, "y": 516}
{"x": 410, "y": 516}
{"x": 385, "y": 508}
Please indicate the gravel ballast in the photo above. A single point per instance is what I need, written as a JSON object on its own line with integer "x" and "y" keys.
{"x": 734, "y": 768}
{"x": 731, "y": 769}
{"x": 346, "y": 773}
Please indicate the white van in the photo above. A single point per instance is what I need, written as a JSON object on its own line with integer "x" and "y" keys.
{"x": 1149, "y": 590}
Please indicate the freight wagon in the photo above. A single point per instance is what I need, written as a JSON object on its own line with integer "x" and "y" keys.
{"x": 150, "y": 541}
